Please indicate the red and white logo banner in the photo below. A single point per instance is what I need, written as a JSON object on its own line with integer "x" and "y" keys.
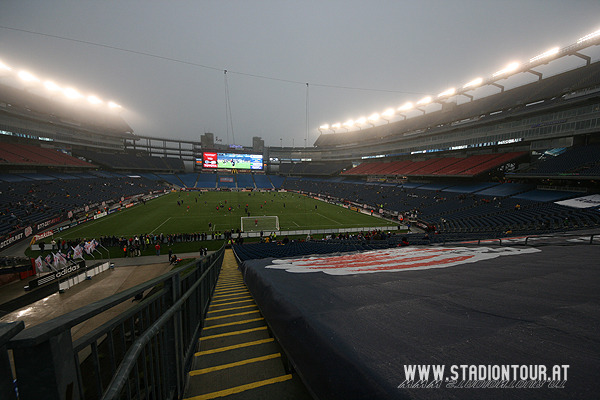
{"x": 395, "y": 260}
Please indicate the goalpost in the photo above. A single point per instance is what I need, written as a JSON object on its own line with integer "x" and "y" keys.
{"x": 260, "y": 223}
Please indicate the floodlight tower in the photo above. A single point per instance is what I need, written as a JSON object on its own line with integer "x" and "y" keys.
{"x": 348, "y": 124}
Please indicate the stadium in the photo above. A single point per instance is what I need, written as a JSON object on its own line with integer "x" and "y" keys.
{"x": 458, "y": 230}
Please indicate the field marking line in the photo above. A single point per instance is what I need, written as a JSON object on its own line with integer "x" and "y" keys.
{"x": 161, "y": 224}
{"x": 332, "y": 220}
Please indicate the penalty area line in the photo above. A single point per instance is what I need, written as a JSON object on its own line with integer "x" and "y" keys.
{"x": 332, "y": 220}
{"x": 166, "y": 220}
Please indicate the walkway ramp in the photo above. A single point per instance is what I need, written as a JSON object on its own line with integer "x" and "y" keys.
{"x": 239, "y": 358}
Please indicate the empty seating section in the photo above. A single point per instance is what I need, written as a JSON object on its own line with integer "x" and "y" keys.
{"x": 477, "y": 207}
{"x": 189, "y": 180}
{"x": 464, "y": 164}
{"x": 134, "y": 162}
{"x": 207, "y": 181}
{"x": 172, "y": 179}
{"x": 23, "y": 154}
{"x": 493, "y": 162}
{"x": 446, "y": 166}
{"x": 469, "y": 187}
{"x": 362, "y": 169}
{"x": 28, "y": 201}
{"x": 277, "y": 180}
{"x": 245, "y": 181}
{"x": 263, "y": 182}
{"x": 393, "y": 166}
{"x": 435, "y": 166}
{"x": 543, "y": 195}
{"x": 574, "y": 161}
{"x": 506, "y": 189}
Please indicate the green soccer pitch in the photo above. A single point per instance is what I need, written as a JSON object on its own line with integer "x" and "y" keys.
{"x": 198, "y": 209}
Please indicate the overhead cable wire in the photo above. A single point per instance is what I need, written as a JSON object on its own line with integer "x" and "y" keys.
{"x": 194, "y": 64}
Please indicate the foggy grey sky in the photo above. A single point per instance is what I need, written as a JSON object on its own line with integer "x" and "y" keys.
{"x": 404, "y": 49}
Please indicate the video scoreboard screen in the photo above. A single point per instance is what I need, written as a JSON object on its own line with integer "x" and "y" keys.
{"x": 231, "y": 160}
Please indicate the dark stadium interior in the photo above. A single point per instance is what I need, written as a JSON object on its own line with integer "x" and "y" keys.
{"x": 522, "y": 164}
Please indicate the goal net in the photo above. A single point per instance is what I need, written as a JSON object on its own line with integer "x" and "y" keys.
{"x": 260, "y": 223}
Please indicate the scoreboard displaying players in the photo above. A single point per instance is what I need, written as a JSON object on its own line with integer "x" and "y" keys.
{"x": 214, "y": 160}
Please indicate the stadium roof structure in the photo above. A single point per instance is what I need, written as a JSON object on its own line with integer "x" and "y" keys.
{"x": 21, "y": 104}
{"x": 593, "y": 39}
{"x": 538, "y": 94}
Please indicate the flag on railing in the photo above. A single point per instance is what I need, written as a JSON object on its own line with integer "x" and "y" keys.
{"x": 61, "y": 258}
{"x": 77, "y": 252}
{"x": 39, "y": 264}
{"x": 48, "y": 259}
{"x": 88, "y": 247}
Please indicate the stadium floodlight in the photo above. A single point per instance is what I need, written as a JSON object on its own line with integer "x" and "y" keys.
{"x": 5, "y": 67}
{"x": 389, "y": 113}
{"x": 359, "y": 122}
{"x": 72, "y": 93}
{"x": 589, "y": 37}
{"x": 446, "y": 93}
{"x": 26, "y": 76}
{"x": 339, "y": 125}
{"x": 349, "y": 124}
{"x": 326, "y": 126}
{"x": 406, "y": 107}
{"x": 549, "y": 53}
{"x": 372, "y": 119}
{"x": 52, "y": 86}
{"x": 510, "y": 67}
{"x": 94, "y": 100}
{"x": 425, "y": 100}
{"x": 113, "y": 105}
{"x": 473, "y": 83}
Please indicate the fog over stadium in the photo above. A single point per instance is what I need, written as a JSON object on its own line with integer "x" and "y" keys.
{"x": 164, "y": 62}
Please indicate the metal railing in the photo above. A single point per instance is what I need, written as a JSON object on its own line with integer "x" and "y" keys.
{"x": 144, "y": 352}
{"x": 7, "y": 331}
